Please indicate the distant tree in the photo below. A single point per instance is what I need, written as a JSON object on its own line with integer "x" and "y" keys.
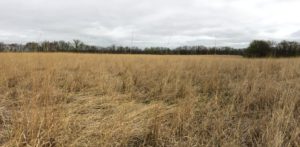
{"x": 64, "y": 46}
{"x": 2, "y": 46}
{"x": 287, "y": 49}
{"x": 45, "y": 46}
{"x": 54, "y": 46}
{"x": 78, "y": 44}
{"x": 259, "y": 48}
{"x": 32, "y": 46}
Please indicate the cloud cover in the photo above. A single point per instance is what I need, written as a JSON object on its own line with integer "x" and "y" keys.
{"x": 150, "y": 22}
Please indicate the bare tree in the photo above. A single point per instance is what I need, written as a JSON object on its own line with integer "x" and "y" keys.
{"x": 2, "y": 47}
{"x": 77, "y": 43}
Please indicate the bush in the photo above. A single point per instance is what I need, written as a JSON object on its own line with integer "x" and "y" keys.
{"x": 259, "y": 48}
{"x": 286, "y": 49}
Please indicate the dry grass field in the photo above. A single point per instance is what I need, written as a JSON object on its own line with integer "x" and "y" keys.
{"x": 81, "y": 100}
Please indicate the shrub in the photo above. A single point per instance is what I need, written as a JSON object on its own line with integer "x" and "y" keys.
{"x": 259, "y": 48}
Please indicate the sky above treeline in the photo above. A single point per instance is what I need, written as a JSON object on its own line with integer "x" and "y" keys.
{"x": 142, "y": 23}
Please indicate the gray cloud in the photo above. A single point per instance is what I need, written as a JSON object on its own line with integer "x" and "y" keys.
{"x": 296, "y": 34}
{"x": 149, "y": 23}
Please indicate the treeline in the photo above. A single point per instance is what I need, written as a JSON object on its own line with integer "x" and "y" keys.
{"x": 79, "y": 46}
{"x": 261, "y": 48}
{"x": 257, "y": 48}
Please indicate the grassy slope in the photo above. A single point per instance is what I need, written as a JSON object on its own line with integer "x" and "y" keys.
{"x": 60, "y": 99}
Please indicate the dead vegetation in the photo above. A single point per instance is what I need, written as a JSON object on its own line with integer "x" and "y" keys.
{"x": 55, "y": 99}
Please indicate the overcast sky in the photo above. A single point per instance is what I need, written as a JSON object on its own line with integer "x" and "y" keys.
{"x": 150, "y": 22}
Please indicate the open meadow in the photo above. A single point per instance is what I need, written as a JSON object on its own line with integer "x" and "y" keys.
{"x": 65, "y": 99}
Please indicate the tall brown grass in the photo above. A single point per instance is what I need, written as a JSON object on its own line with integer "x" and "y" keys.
{"x": 56, "y": 99}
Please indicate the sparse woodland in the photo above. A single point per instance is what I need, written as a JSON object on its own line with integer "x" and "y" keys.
{"x": 257, "y": 48}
